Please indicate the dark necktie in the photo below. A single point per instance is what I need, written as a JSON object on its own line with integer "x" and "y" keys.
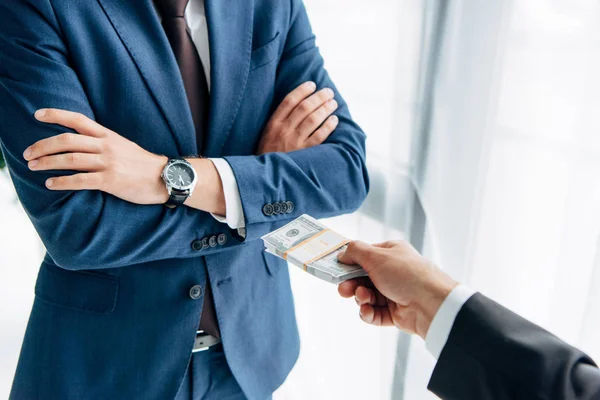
{"x": 188, "y": 60}
{"x": 196, "y": 88}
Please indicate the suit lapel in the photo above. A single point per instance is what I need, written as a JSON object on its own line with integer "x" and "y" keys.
{"x": 140, "y": 31}
{"x": 230, "y": 39}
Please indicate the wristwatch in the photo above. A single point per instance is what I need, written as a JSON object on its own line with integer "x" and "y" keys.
{"x": 180, "y": 179}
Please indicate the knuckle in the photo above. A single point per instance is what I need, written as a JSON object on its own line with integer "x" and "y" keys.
{"x": 72, "y": 158}
{"x": 104, "y": 132}
{"x": 313, "y": 119}
{"x": 65, "y": 138}
{"x": 305, "y": 106}
{"x": 351, "y": 247}
{"x": 81, "y": 179}
{"x": 289, "y": 101}
{"x": 325, "y": 94}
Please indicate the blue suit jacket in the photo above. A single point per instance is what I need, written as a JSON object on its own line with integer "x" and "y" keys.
{"x": 113, "y": 318}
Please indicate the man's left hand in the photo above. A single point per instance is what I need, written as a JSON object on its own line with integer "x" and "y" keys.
{"x": 107, "y": 161}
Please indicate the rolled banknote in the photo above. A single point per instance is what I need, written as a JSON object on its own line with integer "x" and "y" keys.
{"x": 310, "y": 245}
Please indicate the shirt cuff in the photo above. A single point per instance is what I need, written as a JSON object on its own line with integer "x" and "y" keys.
{"x": 233, "y": 202}
{"x": 443, "y": 321}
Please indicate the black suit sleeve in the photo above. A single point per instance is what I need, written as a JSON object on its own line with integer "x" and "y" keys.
{"x": 492, "y": 353}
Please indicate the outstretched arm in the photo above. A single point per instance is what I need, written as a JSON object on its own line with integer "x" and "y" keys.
{"x": 488, "y": 352}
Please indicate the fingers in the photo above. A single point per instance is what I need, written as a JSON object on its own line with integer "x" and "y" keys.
{"x": 309, "y": 106}
{"x": 67, "y": 161}
{"x": 378, "y": 316}
{"x": 83, "y": 181}
{"x": 323, "y": 132}
{"x": 372, "y": 296}
{"x": 66, "y": 142}
{"x": 291, "y": 101}
{"x": 357, "y": 252}
{"x": 73, "y": 120}
{"x": 365, "y": 296}
{"x": 314, "y": 120}
{"x": 348, "y": 288}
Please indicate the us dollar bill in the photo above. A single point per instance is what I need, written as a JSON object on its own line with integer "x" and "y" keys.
{"x": 310, "y": 245}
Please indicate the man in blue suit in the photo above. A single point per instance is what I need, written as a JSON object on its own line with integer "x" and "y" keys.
{"x": 105, "y": 110}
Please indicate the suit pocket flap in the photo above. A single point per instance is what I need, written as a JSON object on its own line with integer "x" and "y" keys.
{"x": 274, "y": 264}
{"x": 265, "y": 54}
{"x": 77, "y": 290}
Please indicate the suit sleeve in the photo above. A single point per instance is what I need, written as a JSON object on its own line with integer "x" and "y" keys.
{"x": 325, "y": 180}
{"x": 84, "y": 229}
{"x": 493, "y": 353}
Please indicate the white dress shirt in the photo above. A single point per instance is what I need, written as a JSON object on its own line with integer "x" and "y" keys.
{"x": 442, "y": 322}
{"x": 195, "y": 16}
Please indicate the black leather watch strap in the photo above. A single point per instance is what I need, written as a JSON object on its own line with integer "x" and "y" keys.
{"x": 177, "y": 198}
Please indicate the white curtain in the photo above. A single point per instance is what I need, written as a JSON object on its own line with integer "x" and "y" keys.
{"x": 510, "y": 175}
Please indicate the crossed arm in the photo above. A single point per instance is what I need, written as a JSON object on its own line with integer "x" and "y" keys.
{"x": 92, "y": 229}
{"x": 111, "y": 163}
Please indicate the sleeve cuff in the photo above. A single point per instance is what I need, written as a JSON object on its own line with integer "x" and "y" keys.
{"x": 233, "y": 202}
{"x": 442, "y": 322}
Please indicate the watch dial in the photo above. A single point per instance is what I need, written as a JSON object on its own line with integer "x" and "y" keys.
{"x": 180, "y": 175}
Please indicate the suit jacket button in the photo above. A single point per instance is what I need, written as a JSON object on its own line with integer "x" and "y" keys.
{"x": 268, "y": 210}
{"x": 197, "y": 245}
{"x": 277, "y": 208}
{"x": 290, "y": 206}
{"x": 205, "y": 244}
{"x": 195, "y": 292}
{"x": 212, "y": 242}
{"x": 222, "y": 239}
{"x": 284, "y": 207}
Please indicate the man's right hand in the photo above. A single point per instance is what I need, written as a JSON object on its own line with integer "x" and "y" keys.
{"x": 403, "y": 288}
{"x": 303, "y": 119}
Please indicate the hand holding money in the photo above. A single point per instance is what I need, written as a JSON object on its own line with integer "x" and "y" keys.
{"x": 308, "y": 244}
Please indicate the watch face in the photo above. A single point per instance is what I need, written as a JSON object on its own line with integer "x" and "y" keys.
{"x": 180, "y": 175}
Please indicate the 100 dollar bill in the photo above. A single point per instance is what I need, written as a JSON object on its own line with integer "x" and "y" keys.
{"x": 310, "y": 245}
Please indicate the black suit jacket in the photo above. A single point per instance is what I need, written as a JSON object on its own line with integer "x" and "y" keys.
{"x": 493, "y": 353}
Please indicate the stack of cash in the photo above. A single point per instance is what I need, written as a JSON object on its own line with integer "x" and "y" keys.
{"x": 310, "y": 245}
